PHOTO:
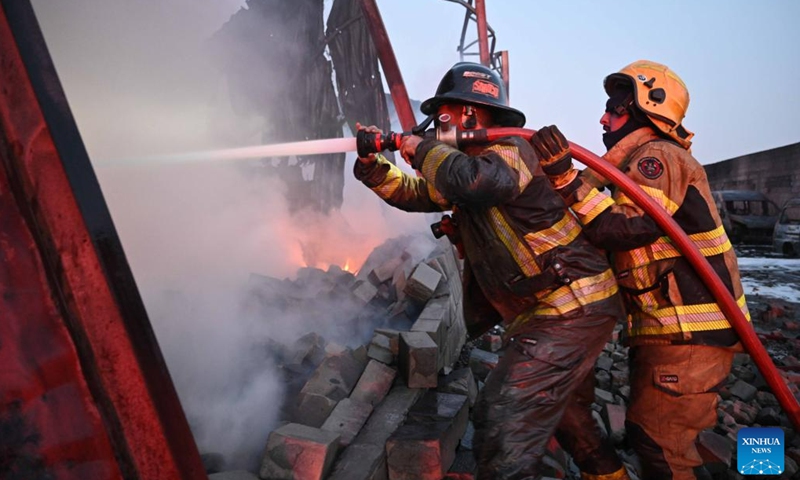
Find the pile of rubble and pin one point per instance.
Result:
(392, 397)
(390, 406)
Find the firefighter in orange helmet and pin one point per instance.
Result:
(682, 345)
(526, 265)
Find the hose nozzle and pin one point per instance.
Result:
(367, 143)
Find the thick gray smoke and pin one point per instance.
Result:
(139, 83)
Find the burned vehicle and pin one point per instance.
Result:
(786, 236)
(748, 216)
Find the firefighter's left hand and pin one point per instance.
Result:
(408, 148)
(555, 156)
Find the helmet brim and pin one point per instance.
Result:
(502, 115)
(618, 80)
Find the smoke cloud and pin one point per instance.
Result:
(139, 84)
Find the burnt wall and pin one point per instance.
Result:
(774, 172)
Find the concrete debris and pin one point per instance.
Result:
(385, 271)
(614, 418)
(361, 461)
(374, 383)
(384, 346)
(313, 409)
(422, 283)
(715, 448)
(418, 360)
(390, 398)
(336, 376)
(346, 419)
(364, 291)
(461, 382)
(297, 451)
(425, 446)
(743, 390)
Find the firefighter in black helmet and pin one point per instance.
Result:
(527, 265)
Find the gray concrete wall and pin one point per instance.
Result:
(775, 172)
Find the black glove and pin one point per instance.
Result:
(554, 155)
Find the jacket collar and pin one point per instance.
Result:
(619, 153)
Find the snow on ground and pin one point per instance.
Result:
(771, 277)
(784, 292)
(790, 264)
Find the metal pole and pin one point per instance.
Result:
(505, 72)
(389, 63)
(483, 35)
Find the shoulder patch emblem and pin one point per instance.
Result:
(651, 167)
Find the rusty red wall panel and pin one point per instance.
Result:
(84, 368)
(45, 404)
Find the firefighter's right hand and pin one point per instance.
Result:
(369, 159)
(554, 155)
(408, 150)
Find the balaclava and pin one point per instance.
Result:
(621, 99)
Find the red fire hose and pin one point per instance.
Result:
(724, 298)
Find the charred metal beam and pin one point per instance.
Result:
(391, 70)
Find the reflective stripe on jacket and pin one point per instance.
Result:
(524, 248)
(667, 301)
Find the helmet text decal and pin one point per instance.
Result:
(486, 88)
(471, 74)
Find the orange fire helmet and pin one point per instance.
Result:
(659, 93)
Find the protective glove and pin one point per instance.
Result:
(370, 159)
(555, 156)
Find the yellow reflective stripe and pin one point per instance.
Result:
(654, 193)
(433, 160)
(687, 318)
(713, 242)
(592, 206)
(392, 182)
(580, 293)
(509, 238)
(623, 199)
(512, 157)
(715, 234)
(437, 197)
(640, 258)
(561, 233)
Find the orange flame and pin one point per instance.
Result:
(346, 267)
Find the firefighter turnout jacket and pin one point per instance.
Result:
(525, 253)
(667, 301)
